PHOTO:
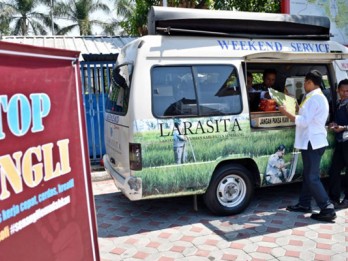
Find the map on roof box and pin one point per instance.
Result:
(335, 10)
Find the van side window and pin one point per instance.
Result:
(201, 90)
(118, 96)
(290, 80)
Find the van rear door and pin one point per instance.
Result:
(116, 124)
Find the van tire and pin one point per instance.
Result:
(230, 190)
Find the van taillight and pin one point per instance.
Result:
(135, 156)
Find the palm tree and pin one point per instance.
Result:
(26, 18)
(134, 12)
(79, 12)
(5, 14)
(123, 9)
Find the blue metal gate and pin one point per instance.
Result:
(96, 78)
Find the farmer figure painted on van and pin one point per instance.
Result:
(276, 171)
(179, 142)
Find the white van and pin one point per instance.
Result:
(178, 119)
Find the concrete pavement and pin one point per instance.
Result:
(169, 229)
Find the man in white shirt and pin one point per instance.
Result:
(310, 138)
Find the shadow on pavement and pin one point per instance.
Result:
(118, 217)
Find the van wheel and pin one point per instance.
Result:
(230, 190)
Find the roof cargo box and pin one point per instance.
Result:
(185, 21)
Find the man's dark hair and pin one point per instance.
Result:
(269, 71)
(315, 76)
(281, 147)
(343, 82)
(177, 123)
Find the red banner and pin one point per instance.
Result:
(46, 201)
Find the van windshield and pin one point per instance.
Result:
(118, 95)
(198, 90)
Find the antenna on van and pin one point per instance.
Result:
(168, 30)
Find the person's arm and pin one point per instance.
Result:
(265, 95)
(182, 137)
(288, 114)
(307, 114)
(339, 128)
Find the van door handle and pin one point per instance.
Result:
(112, 160)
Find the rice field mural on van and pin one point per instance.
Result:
(180, 155)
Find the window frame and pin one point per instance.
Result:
(327, 85)
(197, 90)
(126, 89)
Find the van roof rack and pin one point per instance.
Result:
(203, 22)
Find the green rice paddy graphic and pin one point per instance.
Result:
(207, 147)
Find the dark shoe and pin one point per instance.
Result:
(327, 215)
(299, 208)
(336, 204)
(343, 204)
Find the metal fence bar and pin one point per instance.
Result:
(91, 95)
(95, 83)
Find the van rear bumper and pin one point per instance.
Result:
(130, 186)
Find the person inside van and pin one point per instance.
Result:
(253, 95)
(249, 82)
(269, 77)
(257, 92)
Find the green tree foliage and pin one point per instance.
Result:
(134, 23)
(266, 6)
(5, 14)
(79, 12)
(25, 17)
(124, 9)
